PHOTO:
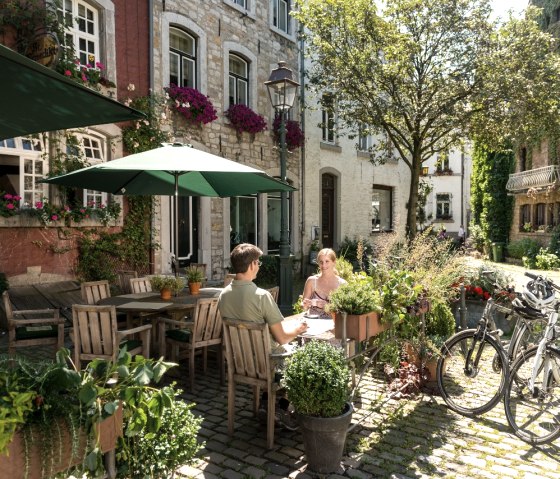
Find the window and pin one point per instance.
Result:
(328, 123)
(241, 3)
(238, 81)
(182, 58)
(243, 220)
(425, 171)
(82, 32)
(443, 206)
(275, 221)
(525, 223)
(442, 163)
(21, 167)
(281, 15)
(540, 214)
(365, 141)
(382, 209)
(93, 151)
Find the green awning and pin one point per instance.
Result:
(37, 99)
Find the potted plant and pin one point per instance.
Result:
(195, 276)
(313, 251)
(316, 378)
(359, 302)
(56, 416)
(167, 285)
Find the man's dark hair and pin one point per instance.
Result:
(243, 255)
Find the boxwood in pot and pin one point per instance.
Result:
(317, 379)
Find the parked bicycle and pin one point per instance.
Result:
(532, 395)
(473, 368)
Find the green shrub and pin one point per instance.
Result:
(156, 455)
(554, 245)
(316, 378)
(440, 321)
(476, 237)
(344, 268)
(358, 296)
(348, 248)
(546, 260)
(268, 272)
(523, 247)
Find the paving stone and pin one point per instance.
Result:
(254, 472)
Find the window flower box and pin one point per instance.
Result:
(243, 119)
(193, 106)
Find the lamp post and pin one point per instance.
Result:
(282, 90)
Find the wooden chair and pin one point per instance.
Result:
(228, 279)
(140, 285)
(96, 334)
(93, 291)
(204, 331)
(248, 355)
(124, 280)
(32, 327)
(275, 291)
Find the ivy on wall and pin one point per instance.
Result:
(492, 208)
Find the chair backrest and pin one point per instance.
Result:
(228, 278)
(274, 292)
(95, 333)
(124, 280)
(207, 328)
(248, 351)
(140, 285)
(7, 306)
(93, 291)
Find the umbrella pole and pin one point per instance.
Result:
(176, 217)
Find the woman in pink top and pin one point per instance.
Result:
(319, 286)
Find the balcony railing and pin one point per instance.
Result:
(537, 178)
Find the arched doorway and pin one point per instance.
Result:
(328, 213)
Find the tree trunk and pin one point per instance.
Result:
(413, 194)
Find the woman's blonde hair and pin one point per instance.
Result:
(329, 253)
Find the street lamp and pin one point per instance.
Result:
(282, 90)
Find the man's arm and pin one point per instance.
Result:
(284, 331)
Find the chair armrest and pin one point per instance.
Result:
(45, 321)
(20, 312)
(139, 329)
(174, 322)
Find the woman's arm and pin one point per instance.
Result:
(307, 293)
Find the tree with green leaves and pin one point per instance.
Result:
(430, 73)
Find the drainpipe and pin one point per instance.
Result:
(302, 152)
(151, 86)
(463, 190)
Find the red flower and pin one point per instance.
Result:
(478, 290)
(486, 295)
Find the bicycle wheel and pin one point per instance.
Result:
(529, 336)
(474, 388)
(534, 415)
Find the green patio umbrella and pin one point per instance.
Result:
(37, 99)
(174, 170)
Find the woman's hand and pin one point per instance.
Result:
(306, 303)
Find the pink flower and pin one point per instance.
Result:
(100, 65)
(84, 78)
(39, 205)
(54, 217)
(82, 210)
(68, 73)
(10, 206)
(16, 198)
(8, 196)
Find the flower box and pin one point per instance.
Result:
(31, 455)
(359, 326)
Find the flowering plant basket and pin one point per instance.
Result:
(242, 118)
(90, 74)
(195, 107)
(294, 135)
(9, 204)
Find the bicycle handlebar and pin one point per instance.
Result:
(539, 277)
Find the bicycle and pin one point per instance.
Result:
(532, 395)
(473, 368)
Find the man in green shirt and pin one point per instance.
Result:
(243, 300)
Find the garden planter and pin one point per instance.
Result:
(165, 294)
(359, 326)
(45, 451)
(323, 440)
(194, 288)
(475, 308)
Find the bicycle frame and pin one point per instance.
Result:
(540, 357)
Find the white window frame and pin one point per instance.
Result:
(183, 57)
(78, 30)
(281, 19)
(239, 82)
(365, 142)
(382, 212)
(328, 124)
(22, 151)
(443, 204)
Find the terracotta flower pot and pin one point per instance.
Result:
(165, 293)
(194, 288)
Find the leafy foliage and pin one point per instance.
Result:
(158, 454)
(523, 247)
(492, 208)
(428, 73)
(357, 296)
(175, 284)
(294, 135)
(316, 378)
(546, 260)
